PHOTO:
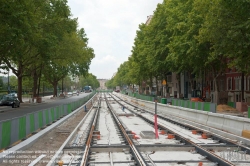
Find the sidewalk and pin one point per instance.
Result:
(45, 99)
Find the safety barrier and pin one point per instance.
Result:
(203, 106)
(248, 111)
(227, 123)
(235, 124)
(16, 129)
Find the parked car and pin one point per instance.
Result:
(12, 94)
(69, 93)
(10, 100)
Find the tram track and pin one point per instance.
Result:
(203, 148)
(115, 143)
(116, 133)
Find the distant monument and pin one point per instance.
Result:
(102, 84)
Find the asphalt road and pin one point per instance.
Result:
(7, 112)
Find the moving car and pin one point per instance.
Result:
(10, 100)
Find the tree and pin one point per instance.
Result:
(158, 37)
(1, 83)
(89, 80)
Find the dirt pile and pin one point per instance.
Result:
(226, 108)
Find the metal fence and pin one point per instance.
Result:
(16, 129)
(204, 106)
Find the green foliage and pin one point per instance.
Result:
(89, 80)
(110, 84)
(40, 39)
(192, 36)
(1, 83)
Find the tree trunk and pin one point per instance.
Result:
(55, 90)
(35, 78)
(19, 75)
(19, 88)
(242, 87)
(62, 85)
(166, 86)
(139, 88)
(216, 94)
(39, 82)
(156, 82)
(150, 85)
(179, 83)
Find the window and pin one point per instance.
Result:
(189, 87)
(222, 87)
(237, 83)
(169, 78)
(237, 98)
(248, 83)
(229, 83)
(212, 85)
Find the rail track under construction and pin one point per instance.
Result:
(116, 133)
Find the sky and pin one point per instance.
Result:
(111, 27)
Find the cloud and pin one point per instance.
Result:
(108, 59)
(111, 28)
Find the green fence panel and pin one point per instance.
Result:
(179, 102)
(22, 128)
(47, 116)
(193, 105)
(52, 114)
(57, 113)
(173, 101)
(182, 103)
(40, 117)
(207, 107)
(62, 111)
(6, 130)
(187, 104)
(32, 123)
(199, 106)
(69, 108)
(248, 112)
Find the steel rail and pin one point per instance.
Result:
(88, 143)
(136, 153)
(214, 136)
(210, 156)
